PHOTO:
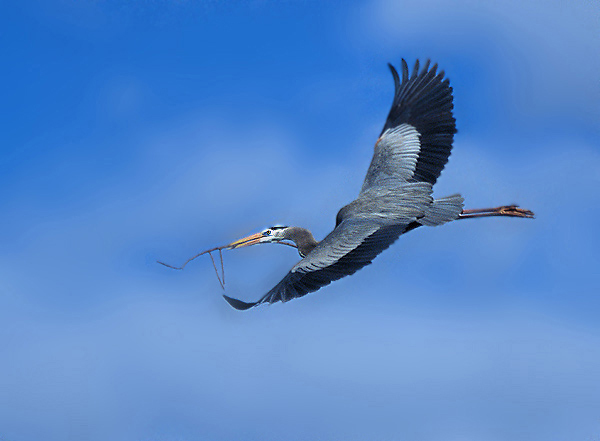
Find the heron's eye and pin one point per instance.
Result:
(267, 233)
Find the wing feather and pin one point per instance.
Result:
(409, 156)
(417, 137)
(334, 263)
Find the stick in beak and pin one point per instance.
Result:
(244, 242)
(221, 277)
(253, 239)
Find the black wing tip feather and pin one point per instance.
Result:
(417, 71)
(238, 304)
(395, 75)
(424, 100)
(404, 70)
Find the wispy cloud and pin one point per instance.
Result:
(474, 330)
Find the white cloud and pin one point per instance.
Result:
(373, 371)
(100, 336)
(543, 53)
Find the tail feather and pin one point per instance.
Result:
(443, 210)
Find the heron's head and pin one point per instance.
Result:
(272, 234)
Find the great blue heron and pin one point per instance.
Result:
(396, 196)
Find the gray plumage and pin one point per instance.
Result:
(396, 195)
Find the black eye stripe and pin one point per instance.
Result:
(271, 230)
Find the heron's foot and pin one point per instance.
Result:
(515, 211)
(505, 210)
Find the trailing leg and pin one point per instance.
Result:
(505, 210)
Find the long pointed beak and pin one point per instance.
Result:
(247, 241)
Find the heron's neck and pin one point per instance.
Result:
(303, 239)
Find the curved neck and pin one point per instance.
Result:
(303, 239)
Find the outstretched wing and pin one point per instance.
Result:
(416, 140)
(409, 156)
(352, 245)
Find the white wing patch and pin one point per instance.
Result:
(395, 156)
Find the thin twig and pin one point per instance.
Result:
(216, 272)
(221, 277)
(284, 243)
(222, 266)
(190, 259)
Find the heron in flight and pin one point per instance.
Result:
(396, 196)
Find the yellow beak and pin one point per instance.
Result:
(247, 241)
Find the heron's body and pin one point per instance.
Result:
(396, 195)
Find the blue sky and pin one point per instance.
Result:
(136, 131)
